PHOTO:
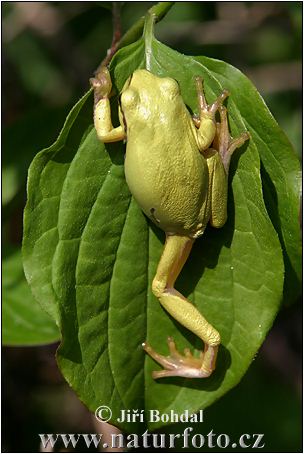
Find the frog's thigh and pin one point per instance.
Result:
(175, 254)
(218, 189)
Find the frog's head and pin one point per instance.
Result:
(144, 92)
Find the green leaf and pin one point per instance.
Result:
(90, 254)
(23, 322)
(41, 238)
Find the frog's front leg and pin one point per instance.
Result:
(102, 111)
(205, 122)
(176, 251)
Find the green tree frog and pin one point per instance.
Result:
(176, 168)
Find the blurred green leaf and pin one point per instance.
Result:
(36, 69)
(24, 322)
(21, 141)
(279, 45)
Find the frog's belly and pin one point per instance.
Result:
(170, 186)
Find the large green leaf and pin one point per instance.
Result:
(90, 254)
(24, 322)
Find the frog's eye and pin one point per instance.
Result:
(129, 97)
(170, 86)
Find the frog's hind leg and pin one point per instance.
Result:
(176, 251)
(218, 160)
(218, 188)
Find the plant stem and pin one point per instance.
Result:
(116, 17)
(158, 11)
(148, 35)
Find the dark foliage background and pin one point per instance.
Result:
(50, 49)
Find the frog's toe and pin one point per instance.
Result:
(178, 365)
(102, 83)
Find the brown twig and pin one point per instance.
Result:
(116, 17)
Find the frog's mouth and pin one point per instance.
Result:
(128, 81)
(126, 85)
(122, 112)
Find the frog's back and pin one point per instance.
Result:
(166, 173)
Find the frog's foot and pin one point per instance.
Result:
(102, 84)
(177, 365)
(206, 109)
(223, 141)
